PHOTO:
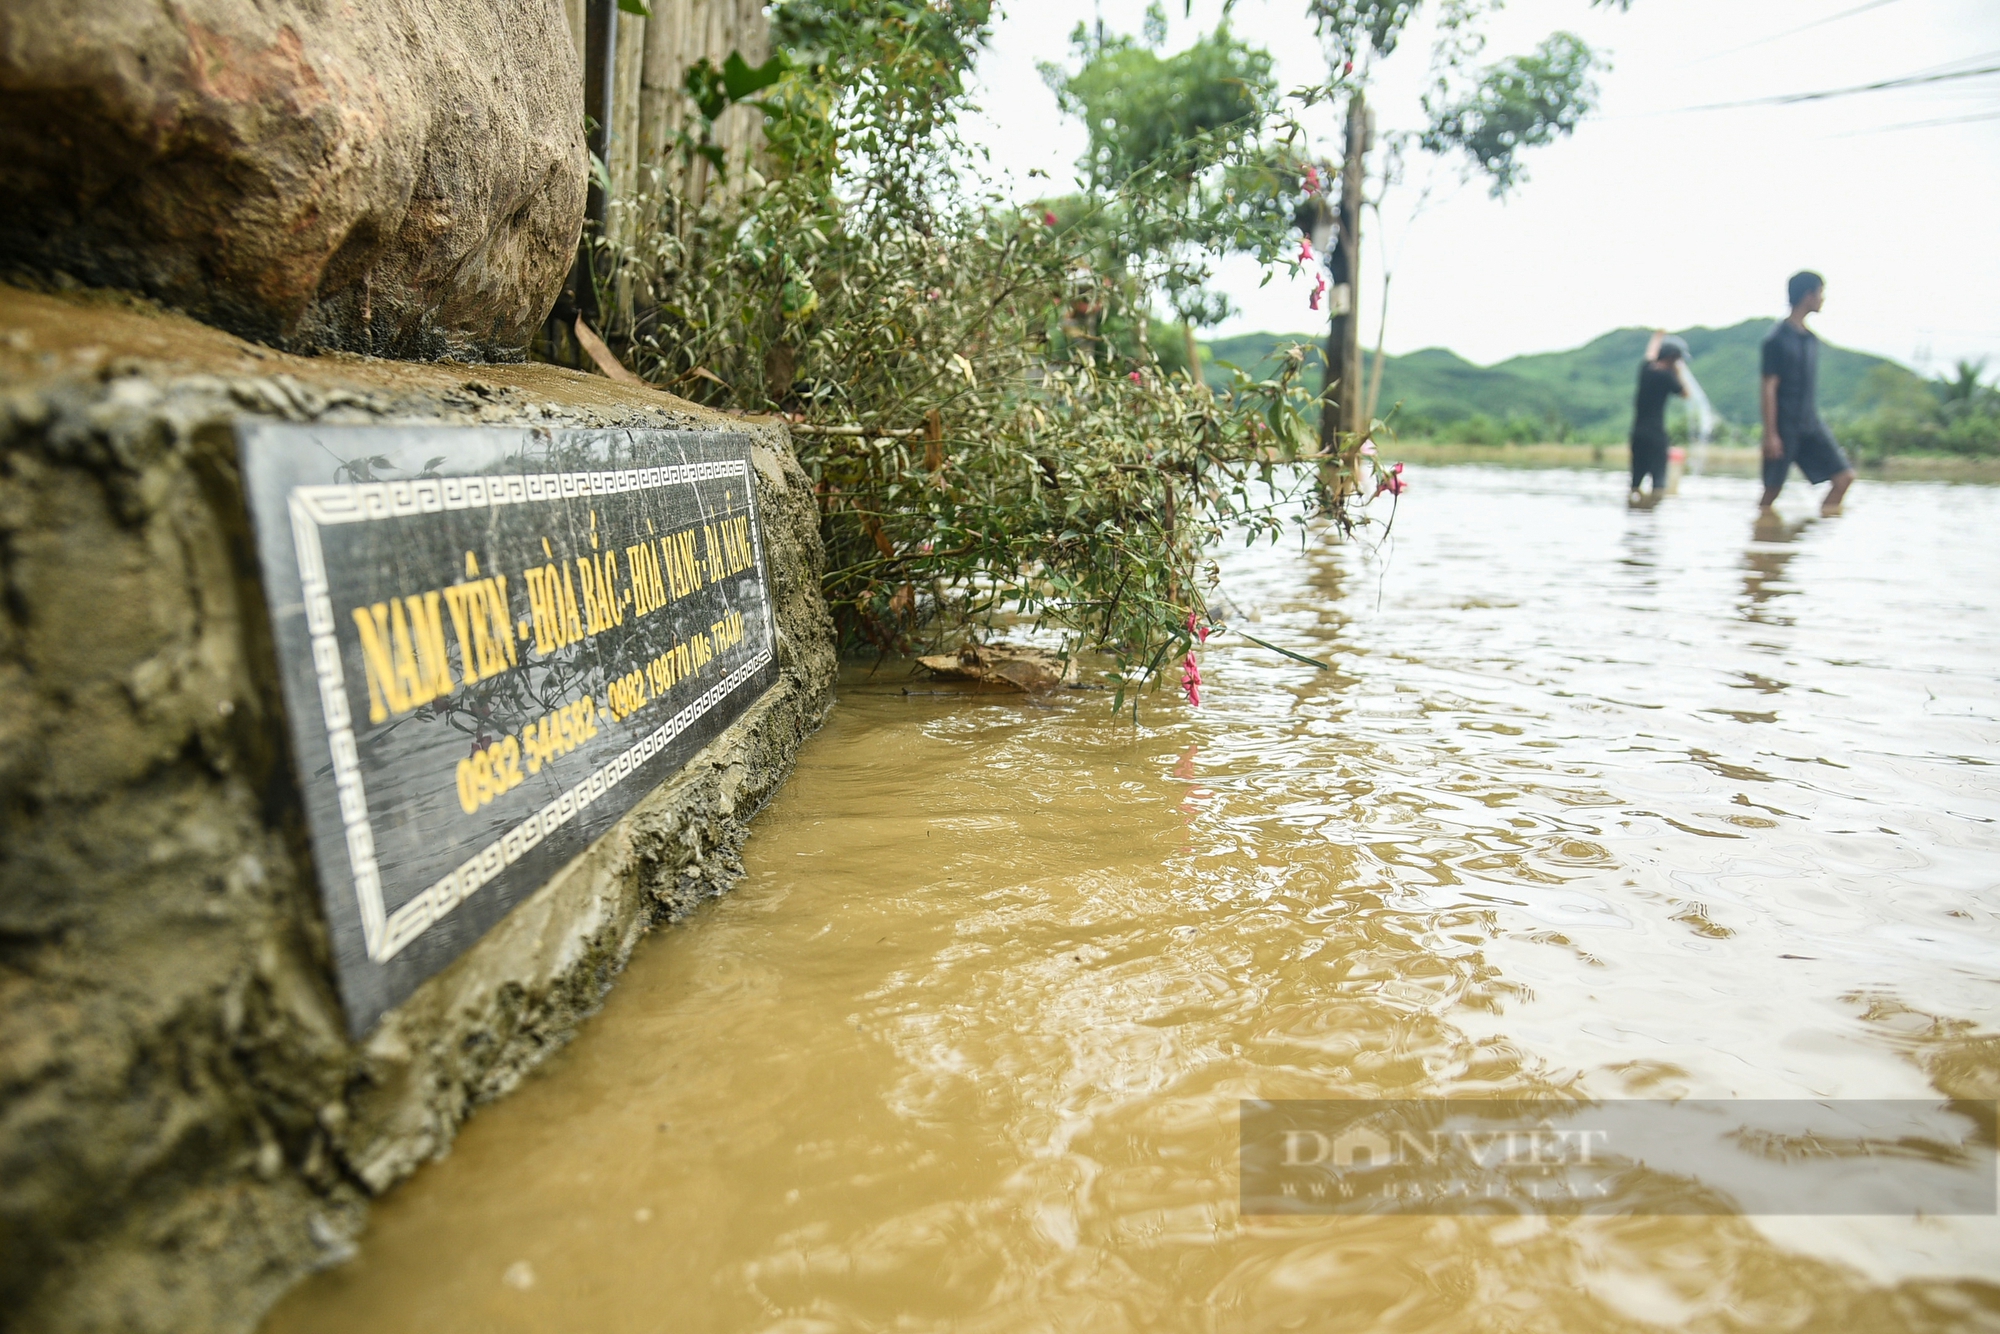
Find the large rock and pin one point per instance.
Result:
(398, 177)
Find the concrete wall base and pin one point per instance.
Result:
(185, 1129)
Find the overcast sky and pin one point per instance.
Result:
(1650, 214)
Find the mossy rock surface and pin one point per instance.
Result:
(404, 177)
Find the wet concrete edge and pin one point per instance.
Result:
(185, 1129)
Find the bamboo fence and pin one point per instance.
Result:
(650, 105)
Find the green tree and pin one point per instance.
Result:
(1964, 385)
(1487, 114)
(1182, 137)
(1147, 113)
(1898, 413)
(1524, 102)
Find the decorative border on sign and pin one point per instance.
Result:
(356, 502)
(413, 918)
(312, 507)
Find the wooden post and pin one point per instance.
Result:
(1341, 413)
(752, 36)
(660, 81)
(624, 145)
(1375, 371)
(623, 168)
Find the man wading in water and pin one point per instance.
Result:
(1793, 432)
(1659, 379)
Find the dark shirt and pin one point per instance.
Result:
(1649, 405)
(1793, 356)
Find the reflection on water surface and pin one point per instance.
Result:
(1594, 803)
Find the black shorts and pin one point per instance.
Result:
(1649, 457)
(1815, 451)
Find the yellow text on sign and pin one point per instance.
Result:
(488, 773)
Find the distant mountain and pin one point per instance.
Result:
(1585, 392)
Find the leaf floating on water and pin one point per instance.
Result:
(1008, 666)
(1296, 657)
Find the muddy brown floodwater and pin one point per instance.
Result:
(1594, 803)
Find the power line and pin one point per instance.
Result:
(1906, 81)
(1791, 32)
(1922, 124)
(1954, 65)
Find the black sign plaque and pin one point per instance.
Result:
(493, 642)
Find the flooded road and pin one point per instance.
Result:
(1594, 803)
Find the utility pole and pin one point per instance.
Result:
(579, 299)
(600, 108)
(1341, 411)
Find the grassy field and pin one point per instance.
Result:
(1584, 393)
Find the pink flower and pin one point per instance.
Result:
(1197, 629)
(1368, 448)
(1306, 250)
(1134, 377)
(1191, 680)
(1312, 179)
(1392, 481)
(1049, 218)
(1319, 290)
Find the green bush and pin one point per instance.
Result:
(1899, 414)
(979, 389)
